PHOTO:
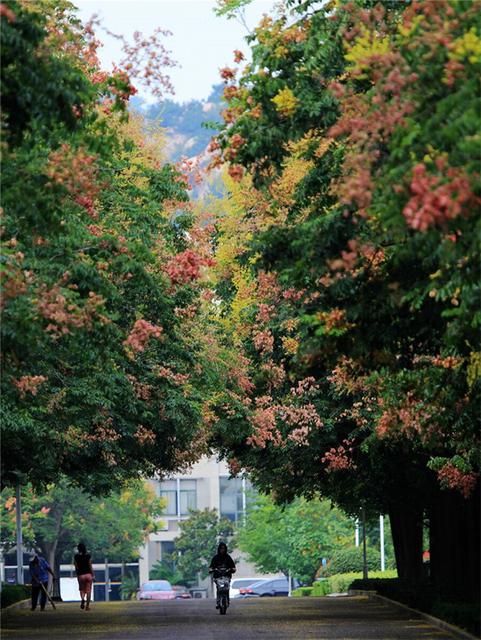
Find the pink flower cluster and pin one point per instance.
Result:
(29, 384)
(347, 377)
(410, 418)
(63, 315)
(226, 73)
(104, 432)
(6, 12)
(264, 341)
(305, 386)
(276, 374)
(268, 287)
(293, 295)
(303, 415)
(450, 476)
(263, 422)
(436, 201)
(339, 458)
(239, 374)
(234, 466)
(76, 171)
(265, 312)
(300, 436)
(185, 267)
(177, 378)
(144, 436)
(334, 319)
(142, 391)
(140, 334)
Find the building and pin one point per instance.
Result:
(206, 485)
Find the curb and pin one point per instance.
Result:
(21, 604)
(441, 624)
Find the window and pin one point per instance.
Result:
(234, 495)
(168, 491)
(182, 503)
(188, 496)
(167, 548)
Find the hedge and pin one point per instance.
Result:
(338, 583)
(301, 592)
(12, 593)
(351, 560)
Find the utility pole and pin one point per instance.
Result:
(381, 542)
(107, 580)
(18, 518)
(364, 548)
(244, 500)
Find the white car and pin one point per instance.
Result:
(241, 583)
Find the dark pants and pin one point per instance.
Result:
(37, 589)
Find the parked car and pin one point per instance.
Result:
(181, 592)
(263, 588)
(241, 583)
(156, 590)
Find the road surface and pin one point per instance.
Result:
(349, 618)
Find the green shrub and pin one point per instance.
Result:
(164, 571)
(350, 560)
(302, 592)
(321, 588)
(129, 586)
(341, 582)
(12, 593)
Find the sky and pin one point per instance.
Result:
(201, 42)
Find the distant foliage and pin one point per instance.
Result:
(350, 560)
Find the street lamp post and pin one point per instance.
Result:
(18, 520)
(381, 542)
(364, 547)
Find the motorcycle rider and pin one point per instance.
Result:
(221, 559)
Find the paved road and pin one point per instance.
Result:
(353, 618)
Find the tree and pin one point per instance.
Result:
(57, 520)
(101, 282)
(197, 543)
(350, 265)
(166, 570)
(293, 539)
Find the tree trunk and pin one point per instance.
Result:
(407, 536)
(50, 551)
(455, 544)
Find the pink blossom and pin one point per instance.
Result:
(140, 335)
(185, 266)
(451, 477)
(339, 459)
(29, 384)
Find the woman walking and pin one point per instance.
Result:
(85, 575)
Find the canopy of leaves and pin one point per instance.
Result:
(104, 373)
(293, 539)
(348, 257)
(54, 522)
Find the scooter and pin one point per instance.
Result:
(222, 582)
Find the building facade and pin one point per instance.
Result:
(205, 486)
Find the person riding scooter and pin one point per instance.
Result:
(221, 559)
